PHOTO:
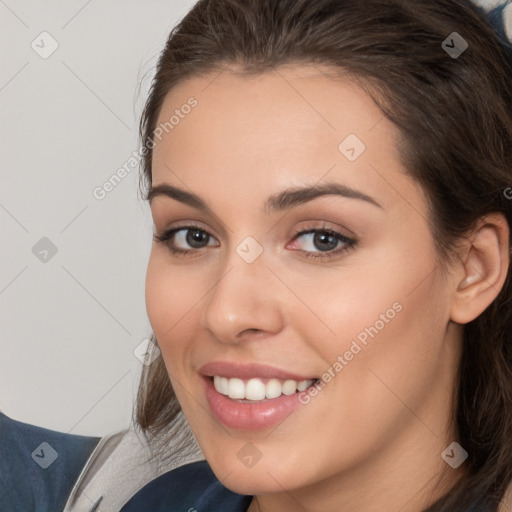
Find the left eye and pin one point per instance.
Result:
(190, 234)
(321, 243)
(326, 240)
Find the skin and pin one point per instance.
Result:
(375, 433)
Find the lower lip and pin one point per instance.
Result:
(249, 415)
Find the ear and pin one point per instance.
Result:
(483, 268)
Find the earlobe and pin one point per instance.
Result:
(484, 268)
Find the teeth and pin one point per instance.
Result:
(236, 388)
(256, 389)
(303, 385)
(273, 389)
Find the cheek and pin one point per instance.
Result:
(173, 298)
(398, 363)
(360, 302)
(387, 320)
(160, 296)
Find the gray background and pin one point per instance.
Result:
(69, 325)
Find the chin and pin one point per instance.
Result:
(253, 484)
(260, 479)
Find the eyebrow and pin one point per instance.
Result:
(284, 200)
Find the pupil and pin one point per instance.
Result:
(195, 238)
(321, 238)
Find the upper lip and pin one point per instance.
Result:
(249, 371)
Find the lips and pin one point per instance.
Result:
(237, 393)
(250, 371)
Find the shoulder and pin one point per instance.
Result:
(192, 487)
(38, 466)
(123, 463)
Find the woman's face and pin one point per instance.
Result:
(356, 302)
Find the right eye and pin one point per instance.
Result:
(194, 236)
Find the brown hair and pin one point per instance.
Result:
(455, 120)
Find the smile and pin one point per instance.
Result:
(257, 389)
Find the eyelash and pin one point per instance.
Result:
(349, 242)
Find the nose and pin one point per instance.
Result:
(247, 299)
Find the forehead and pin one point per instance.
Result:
(292, 101)
(289, 126)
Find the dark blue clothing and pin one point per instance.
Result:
(189, 488)
(39, 467)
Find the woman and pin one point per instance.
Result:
(329, 284)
